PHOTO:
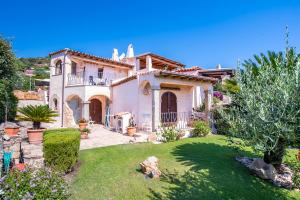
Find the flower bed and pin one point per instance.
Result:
(33, 184)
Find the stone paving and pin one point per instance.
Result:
(101, 137)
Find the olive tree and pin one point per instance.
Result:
(8, 102)
(266, 110)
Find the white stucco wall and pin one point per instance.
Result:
(125, 98)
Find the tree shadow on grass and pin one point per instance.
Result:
(214, 174)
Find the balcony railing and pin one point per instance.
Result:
(80, 78)
(181, 120)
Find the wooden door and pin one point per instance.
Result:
(96, 111)
(168, 107)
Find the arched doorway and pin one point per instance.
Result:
(96, 111)
(168, 107)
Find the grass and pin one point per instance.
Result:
(212, 173)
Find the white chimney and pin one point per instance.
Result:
(122, 56)
(130, 52)
(219, 66)
(115, 55)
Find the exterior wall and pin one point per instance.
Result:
(184, 98)
(125, 98)
(56, 83)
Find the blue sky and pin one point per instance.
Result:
(202, 33)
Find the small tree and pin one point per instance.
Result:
(8, 102)
(266, 110)
(37, 114)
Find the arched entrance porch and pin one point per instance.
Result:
(97, 108)
(96, 111)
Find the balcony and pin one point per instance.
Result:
(80, 78)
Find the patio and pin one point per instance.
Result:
(101, 137)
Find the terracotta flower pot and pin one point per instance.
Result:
(12, 131)
(82, 126)
(84, 135)
(20, 166)
(131, 131)
(35, 136)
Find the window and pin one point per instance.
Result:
(100, 73)
(58, 67)
(73, 68)
(55, 104)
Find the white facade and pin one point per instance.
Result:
(87, 87)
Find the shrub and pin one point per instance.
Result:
(61, 148)
(29, 184)
(169, 133)
(201, 129)
(221, 123)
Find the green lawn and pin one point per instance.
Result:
(213, 173)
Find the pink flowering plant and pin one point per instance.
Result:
(218, 95)
(33, 184)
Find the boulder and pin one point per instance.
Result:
(262, 169)
(150, 167)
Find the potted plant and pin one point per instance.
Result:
(131, 129)
(82, 124)
(85, 133)
(36, 114)
(11, 129)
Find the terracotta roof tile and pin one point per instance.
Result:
(93, 57)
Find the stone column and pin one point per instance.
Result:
(149, 63)
(155, 107)
(137, 64)
(207, 100)
(86, 110)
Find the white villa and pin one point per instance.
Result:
(149, 87)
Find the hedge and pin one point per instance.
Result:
(61, 148)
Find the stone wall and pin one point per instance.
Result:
(33, 154)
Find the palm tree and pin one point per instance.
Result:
(37, 114)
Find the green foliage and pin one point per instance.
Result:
(8, 102)
(36, 114)
(222, 125)
(169, 133)
(216, 100)
(41, 73)
(218, 87)
(231, 86)
(22, 82)
(7, 60)
(201, 129)
(37, 184)
(27, 63)
(201, 108)
(61, 148)
(85, 130)
(265, 112)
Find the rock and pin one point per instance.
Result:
(284, 177)
(150, 167)
(245, 160)
(6, 137)
(262, 169)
